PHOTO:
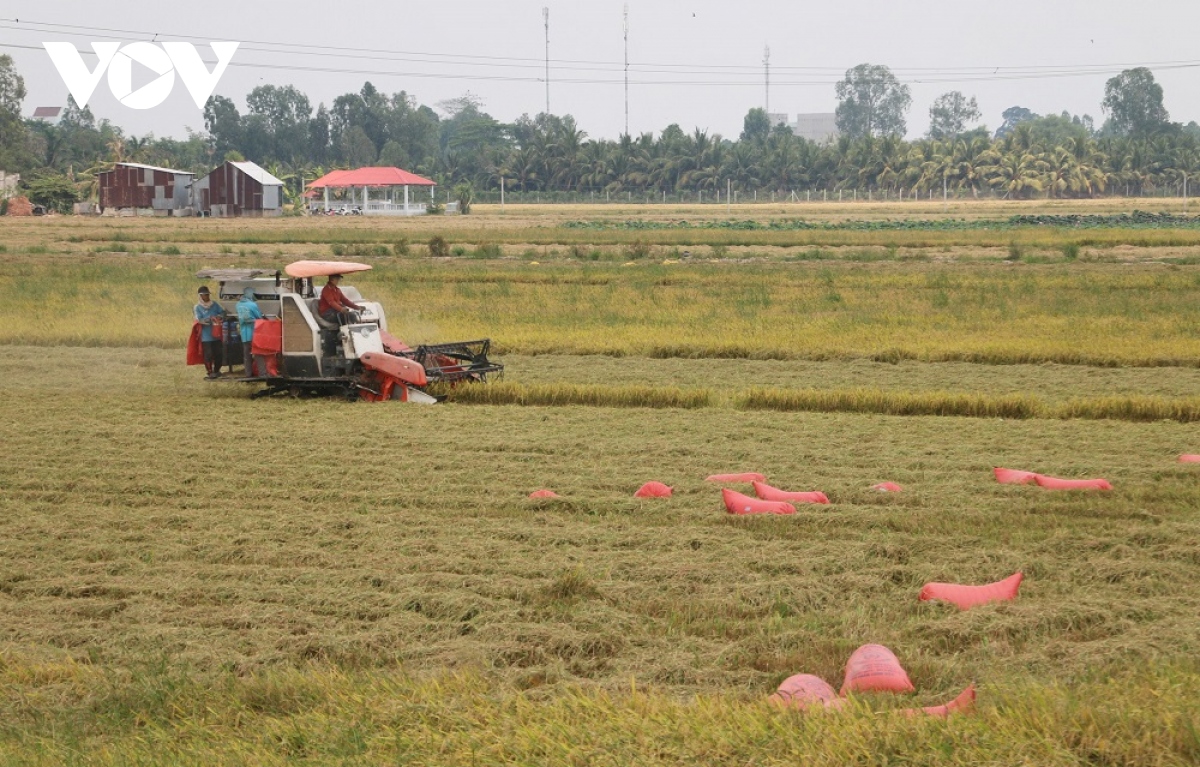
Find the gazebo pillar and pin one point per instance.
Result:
(406, 199)
(326, 199)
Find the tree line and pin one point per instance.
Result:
(1137, 150)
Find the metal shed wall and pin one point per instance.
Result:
(230, 192)
(132, 186)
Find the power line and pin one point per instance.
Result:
(915, 72)
(598, 81)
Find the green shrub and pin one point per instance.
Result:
(1070, 251)
(458, 250)
(637, 250)
(438, 248)
(400, 247)
(170, 250)
(464, 192)
(487, 250)
(1015, 252)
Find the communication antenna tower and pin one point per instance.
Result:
(626, 69)
(546, 19)
(767, 75)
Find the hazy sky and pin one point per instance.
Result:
(698, 63)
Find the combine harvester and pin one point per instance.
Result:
(299, 353)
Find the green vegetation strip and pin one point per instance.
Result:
(1135, 220)
(323, 715)
(1098, 315)
(875, 401)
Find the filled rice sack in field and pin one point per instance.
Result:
(887, 487)
(1015, 477)
(544, 494)
(1185, 458)
(736, 503)
(966, 597)
(1054, 483)
(875, 668)
(749, 476)
(804, 690)
(768, 493)
(653, 490)
(963, 704)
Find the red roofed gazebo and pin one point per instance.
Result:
(376, 191)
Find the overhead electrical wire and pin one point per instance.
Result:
(752, 75)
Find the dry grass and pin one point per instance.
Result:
(730, 378)
(1138, 408)
(188, 576)
(861, 400)
(522, 226)
(191, 577)
(558, 394)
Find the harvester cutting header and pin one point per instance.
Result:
(322, 341)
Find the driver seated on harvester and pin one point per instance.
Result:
(334, 307)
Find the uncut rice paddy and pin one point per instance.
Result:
(188, 576)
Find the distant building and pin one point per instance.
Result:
(820, 127)
(373, 191)
(135, 187)
(777, 118)
(238, 189)
(8, 184)
(48, 114)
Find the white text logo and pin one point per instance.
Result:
(118, 60)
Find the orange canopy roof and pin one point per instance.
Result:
(323, 268)
(338, 179)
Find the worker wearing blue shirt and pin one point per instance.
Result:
(247, 313)
(208, 313)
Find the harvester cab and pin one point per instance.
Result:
(296, 351)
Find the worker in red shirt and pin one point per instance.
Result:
(333, 301)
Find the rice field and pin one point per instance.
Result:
(191, 577)
(1087, 314)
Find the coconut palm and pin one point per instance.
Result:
(1018, 175)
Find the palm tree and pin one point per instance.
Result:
(1018, 175)
(968, 159)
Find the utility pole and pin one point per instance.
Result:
(626, 69)
(767, 76)
(546, 18)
